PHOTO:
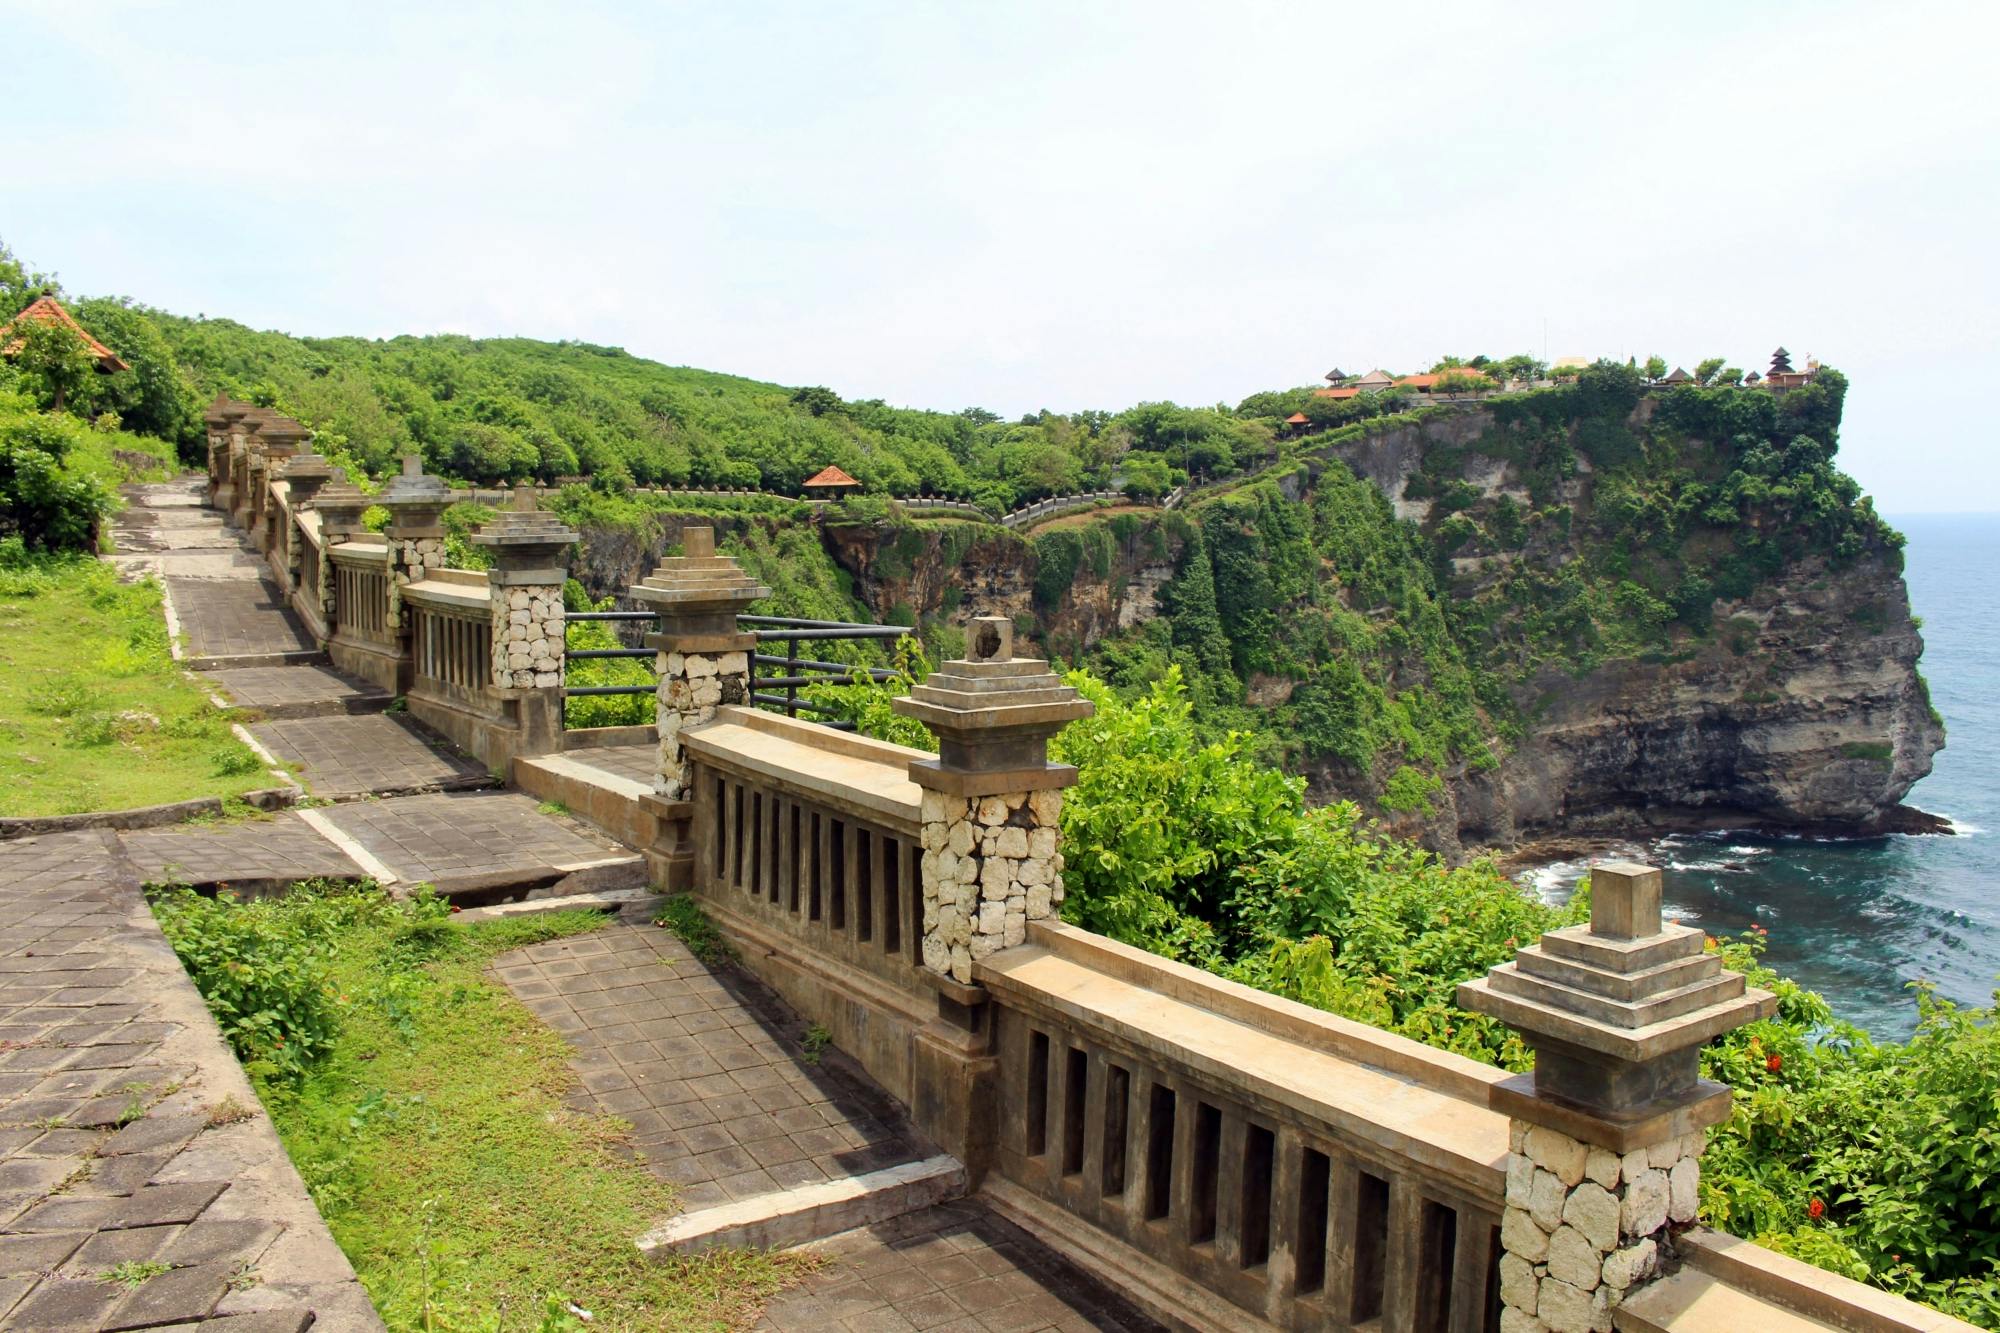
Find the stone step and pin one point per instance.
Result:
(637, 903)
(294, 691)
(600, 786)
(792, 1217)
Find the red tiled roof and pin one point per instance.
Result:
(48, 310)
(1429, 380)
(1297, 418)
(1337, 393)
(831, 476)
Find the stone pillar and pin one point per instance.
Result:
(282, 437)
(416, 504)
(526, 583)
(1607, 1133)
(234, 440)
(339, 505)
(703, 663)
(303, 475)
(992, 801)
(245, 449)
(216, 418)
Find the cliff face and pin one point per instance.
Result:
(951, 572)
(1806, 712)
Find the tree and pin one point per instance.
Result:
(19, 284)
(1656, 368)
(54, 358)
(1731, 375)
(49, 507)
(1781, 362)
(1706, 372)
(1465, 382)
(817, 399)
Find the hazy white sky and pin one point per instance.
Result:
(1057, 205)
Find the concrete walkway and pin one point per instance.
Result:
(128, 1133)
(727, 1103)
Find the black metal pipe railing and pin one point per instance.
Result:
(789, 672)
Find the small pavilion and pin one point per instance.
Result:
(45, 309)
(830, 483)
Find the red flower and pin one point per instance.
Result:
(456, 908)
(1775, 1063)
(1815, 1210)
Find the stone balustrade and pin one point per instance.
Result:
(477, 654)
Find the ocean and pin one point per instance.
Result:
(1858, 920)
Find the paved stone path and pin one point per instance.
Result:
(304, 690)
(711, 1071)
(955, 1268)
(374, 753)
(460, 843)
(234, 617)
(707, 1067)
(127, 1130)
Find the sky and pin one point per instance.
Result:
(1062, 205)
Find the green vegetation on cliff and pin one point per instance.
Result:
(1585, 523)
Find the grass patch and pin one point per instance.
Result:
(429, 1124)
(684, 917)
(94, 715)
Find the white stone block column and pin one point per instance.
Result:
(703, 661)
(1606, 1135)
(416, 504)
(992, 803)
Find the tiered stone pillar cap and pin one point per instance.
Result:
(340, 504)
(307, 466)
(698, 581)
(414, 500)
(524, 525)
(219, 414)
(1617, 1009)
(527, 544)
(993, 714)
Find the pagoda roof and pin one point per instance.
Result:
(1374, 378)
(46, 309)
(1296, 419)
(1678, 377)
(831, 476)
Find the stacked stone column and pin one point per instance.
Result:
(339, 504)
(416, 504)
(992, 802)
(218, 418)
(281, 436)
(527, 586)
(1607, 1133)
(240, 421)
(703, 661)
(303, 475)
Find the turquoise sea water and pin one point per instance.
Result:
(1858, 920)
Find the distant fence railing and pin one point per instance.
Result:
(776, 678)
(1057, 504)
